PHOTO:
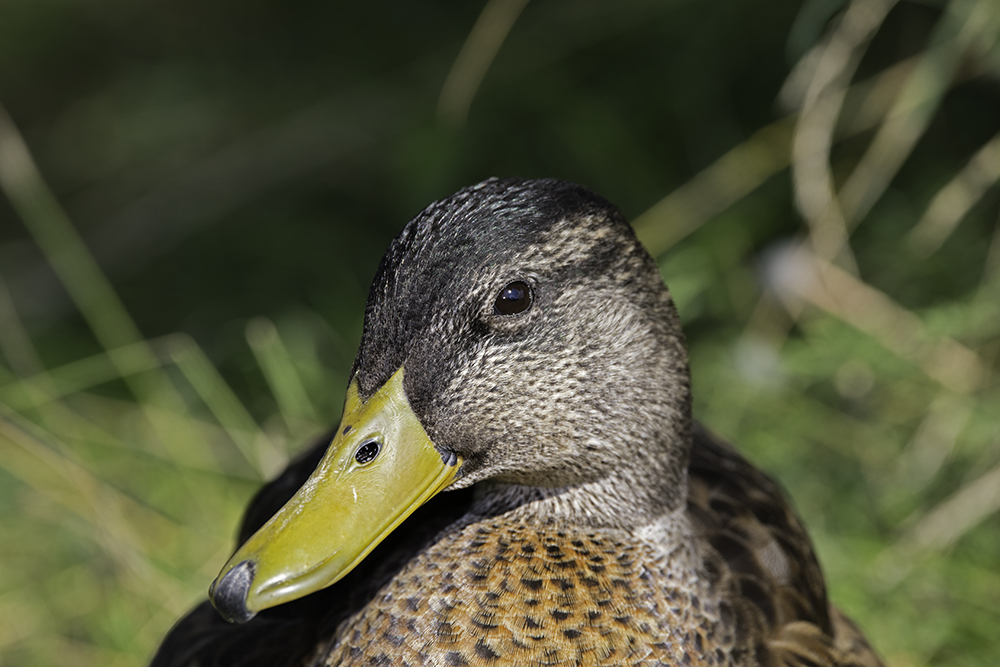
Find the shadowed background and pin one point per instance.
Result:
(196, 196)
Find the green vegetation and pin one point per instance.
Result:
(196, 195)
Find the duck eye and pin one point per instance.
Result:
(367, 452)
(513, 299)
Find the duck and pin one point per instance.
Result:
(517, 478)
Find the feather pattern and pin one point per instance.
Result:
(591, 521)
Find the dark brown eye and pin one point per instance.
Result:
(513, 299)
(367, 452)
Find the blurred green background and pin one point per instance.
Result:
(196, 196)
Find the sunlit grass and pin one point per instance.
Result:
(123, 474)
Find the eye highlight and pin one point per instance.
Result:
(513, 299)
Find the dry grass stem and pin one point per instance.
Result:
(831, 72)
(953, 518)
(966, 27)
(953, 201)
(477, 54)
(842, 295)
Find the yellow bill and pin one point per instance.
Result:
(380, 467)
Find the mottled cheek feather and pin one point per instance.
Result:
(567, 392)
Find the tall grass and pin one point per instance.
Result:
(123, 473)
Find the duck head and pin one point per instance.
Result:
(516, 335)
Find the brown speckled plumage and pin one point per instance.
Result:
(537, 595)
(591, 523)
